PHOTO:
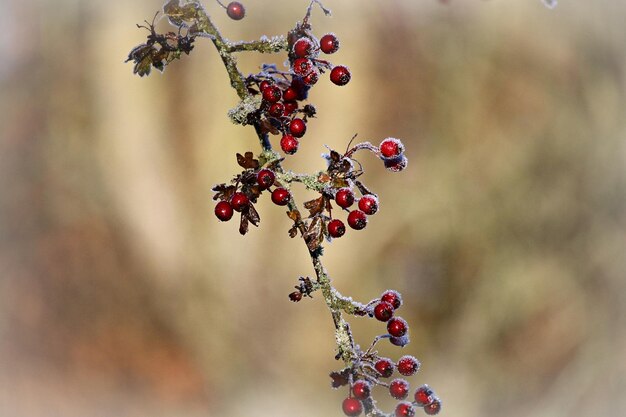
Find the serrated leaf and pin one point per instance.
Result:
(339, 379)
(243, 225)
(247, 161)
(293, 232)
(223, 191)
(294, 215)
(315, 207)
(314, 235)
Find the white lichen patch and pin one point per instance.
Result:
(239, 114)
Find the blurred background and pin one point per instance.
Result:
(122, 295)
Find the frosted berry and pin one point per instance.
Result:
(393, 297)
(289, 144)
(265, 178)
(383, 311)
(352, 407)
(329, 44)
(272, 94)
(280, 196)
(276, 109)
(303, 47)
(290, 107)
(340, 75)
(391, 147)
(397, 327)
(297, 127)
(312, 77)
(434, 407)
(405, 409)
(399, 389)
(224, 211)
(344, 197)
(400, 341)
(384, 367)
(357, 220)
(235, 10)
(302, 66)
(361, 389)
(336, 228)
(424, 395)
(238, 201)
(396, 164)
(408, 365)
(368, 204)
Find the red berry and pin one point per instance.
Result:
(344, 197)
(399, 389)
(391, 147)
(290, 107)
(434, 407)
(303, 47)
(368, 204)
(405, 409)
(276, 109)
(264, 84)
(329, 44)
(361, 389)
(280, 196)
(302, 66)
(396, 164)
(357, 220)
(397, 327)
(408, 365)
(384, 367)
(290, 94)
(235, 10)
(312, 77)
(393, 297)
(400, 341)
(340, 75)
(336, 228)
(265, 178)
(352, 407)
(238, 201)
(383, 311)
(289, 144)
(424, 395)
(224, 211)
(272, 94)
(297, 127)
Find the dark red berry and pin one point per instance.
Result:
(405, 409)
(303, 47)
(393, 297)
(340, 75)
(344, 197)
(290, 94)
(312, 77)
(361, 389)
(329, 44)
(302, 66)
(276, 109)
(408, 365)
(235, 10)
(399, 389)
(238, 201)
(336, 228)
(383, 311)
(265, 178)
(396, 164)
(290, 107)
(397, 327)
(289, 144)
(280, 196)
(224, 211)
(357, 220)
(434, 407)
(352, 407)
(264, 84)
(384, 367)
(368, 204)
(272, 94)
(391, 147)
(297, 127)
(424, 395)
(400, 341)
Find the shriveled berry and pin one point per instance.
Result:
(352, 407)
(303, 47)
(289, 144)
(383, 311)
(396, 164)
(408, 365)
(400, 341)
(336, 228)
(238, 201)
(312, 77)
(393, 297)
(290, 107)
(397, 327)
(344, 197)
(424, 395)
(357, 220)
(399, 389)
(340, 75)
(384, 367)
(361, 389)
(302, 66)
(224, 211)
(280, 196)
(434, 407)
(265, 178)
(297, 127)
(276, 109)
(235, 10)
(329, 44)
(368, 204)
(405, 409)
(391, 147)
(290, 94)
(272, 94)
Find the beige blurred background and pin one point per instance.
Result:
(121, 295)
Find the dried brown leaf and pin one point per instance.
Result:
(247, 161)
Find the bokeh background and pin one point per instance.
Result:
(121, 295)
